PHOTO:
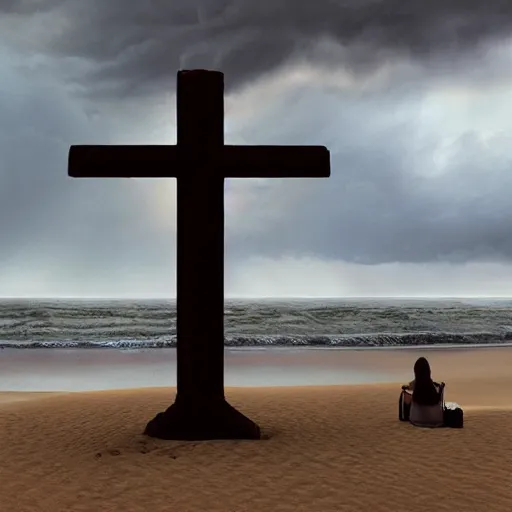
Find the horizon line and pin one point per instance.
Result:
(252, 297)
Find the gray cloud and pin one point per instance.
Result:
(387, 200)
(138, 49)
(386, 215)
(67, 68)
(49, 222)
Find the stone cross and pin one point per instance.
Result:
(200, 161)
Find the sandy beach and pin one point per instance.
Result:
(328, 448)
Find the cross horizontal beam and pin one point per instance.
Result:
(176, 162)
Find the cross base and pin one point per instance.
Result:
(190, 420)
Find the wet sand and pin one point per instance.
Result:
(99, 369)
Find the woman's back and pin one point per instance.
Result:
(427, 397)
(429, 414)
(426, 393)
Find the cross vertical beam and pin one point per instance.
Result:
(200, 239)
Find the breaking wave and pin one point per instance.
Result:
(316, 323)
(355, 341)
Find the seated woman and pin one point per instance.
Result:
(427, 397)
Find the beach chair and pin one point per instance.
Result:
(443, 414)
(404, 406)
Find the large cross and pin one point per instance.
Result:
(200, 161)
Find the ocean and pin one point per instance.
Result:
(354, 323)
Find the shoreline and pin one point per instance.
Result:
(8, 345)
(102, 369)
(433, 346)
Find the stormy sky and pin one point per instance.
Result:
(413, 99)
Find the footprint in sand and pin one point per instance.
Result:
(110, 452)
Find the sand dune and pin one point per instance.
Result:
(336, 448)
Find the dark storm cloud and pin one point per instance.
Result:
(375, 208)
(136, 46)
(386, 200)
(386, 215)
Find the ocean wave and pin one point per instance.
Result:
(331, 323)
(348, 341)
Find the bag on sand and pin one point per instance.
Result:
(453, 415)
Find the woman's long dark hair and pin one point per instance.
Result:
(425, 392)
